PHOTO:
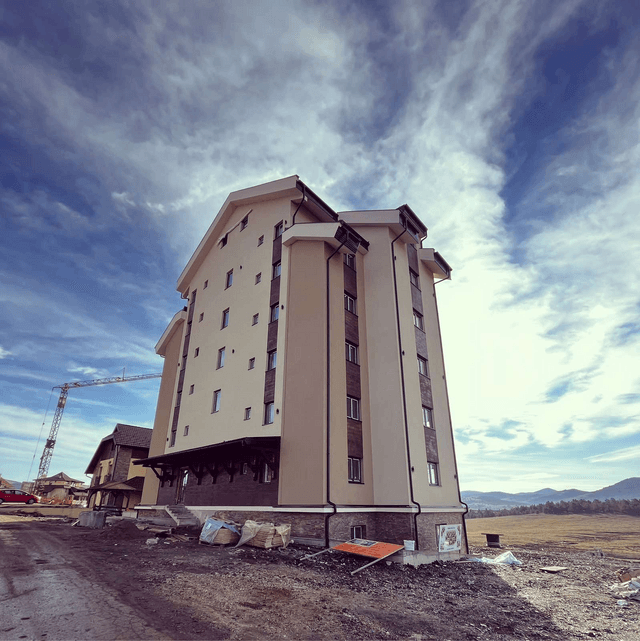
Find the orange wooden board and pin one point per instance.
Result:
(372, 549)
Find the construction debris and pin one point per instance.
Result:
(218, 532)
(554, 569)
(265, 535)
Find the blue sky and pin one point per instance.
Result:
(511, 128)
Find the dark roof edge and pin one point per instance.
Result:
(405, 209)
(317, 201)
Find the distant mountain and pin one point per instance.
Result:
(627, 489)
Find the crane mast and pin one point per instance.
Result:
(57, 417)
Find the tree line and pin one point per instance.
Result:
(630, 507)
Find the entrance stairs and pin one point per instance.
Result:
(181, 515)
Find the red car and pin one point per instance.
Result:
(17, 496)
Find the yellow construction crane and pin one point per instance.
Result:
(57, 417)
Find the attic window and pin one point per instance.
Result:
(223, 240)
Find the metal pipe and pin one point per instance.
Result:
(293, 220)
(404, 395)
(446, 389)
(329, 501)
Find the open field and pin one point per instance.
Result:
(617, 536)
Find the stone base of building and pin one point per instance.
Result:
(395, 525)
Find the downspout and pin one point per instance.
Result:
(404, 396)
(329, 501)
(293, 220)
(446, 389)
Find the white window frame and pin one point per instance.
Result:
(244, 223)
(256, 318)
(215, 406)
(350, 304)
(277, 270)
(351, 352)
(427, 417)
(358, 532)
(418, 320)
(275, 312)
(258, 277)
(252, 362)
(354, 472)
(353, 408)
(434, 473)
(229, 279)
(221, 357)
(414, 278)
(272, 359)
(247, 413)
(225, 318)
(423, 366)
(269, 413)
(350, 260)
(278, 230)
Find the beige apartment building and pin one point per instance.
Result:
(304, 379)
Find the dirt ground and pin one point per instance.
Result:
(183, 590)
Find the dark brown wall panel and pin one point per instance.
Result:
(243, 491)
(353, 379)
(432, 445)
(425, 391)
(412, 255)
(269, 385)
(350, 281)
(274, 296)
(272, 336)
(351, 327)
(277, 250)
(421, 343)
(416, 299)
(354, 438)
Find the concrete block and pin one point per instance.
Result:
(94, 520)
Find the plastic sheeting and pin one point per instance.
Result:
(506, 558)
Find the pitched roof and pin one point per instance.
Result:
(61, 476)
(127, 435)
(132, 435)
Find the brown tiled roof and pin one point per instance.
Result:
(61, 476)
(132, 435)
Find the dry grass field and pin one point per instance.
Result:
(617, 536)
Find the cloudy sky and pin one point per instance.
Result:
(511, 128)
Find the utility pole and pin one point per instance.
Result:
(57, 417)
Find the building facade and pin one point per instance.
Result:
(115, 480)
(304, 379)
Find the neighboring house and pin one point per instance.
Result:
(116, 482)
(61, 488)
(304, 382)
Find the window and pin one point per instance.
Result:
(206, 284)
(349, 303)
(434, 478)
(223, 240)
(355, 470)
(269, 413)
(229, 279)
(277, 269)
(221, 354)
(351, 352)
(172, 442)
(201, 317)
(225, 318)
(418, 321)
(186, 430)
(266, 474)
(255, 319)
(353, 408)
(358, 532)
(350, 260)
(247, 413)
(422, 366)
(272, 359)
(275, 312)
(245, 468)
(196, 353)
(427, 417)
(216, 401)
(258, 277)
(260, 240)
(252, 363)
(244, 223)
(191, 389)
(414, 278)
(278, 230)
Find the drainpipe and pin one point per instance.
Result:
(293, 220)
(329, 501)
(446, 389)
(404, 396)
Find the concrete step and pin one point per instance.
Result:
(181, 515)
